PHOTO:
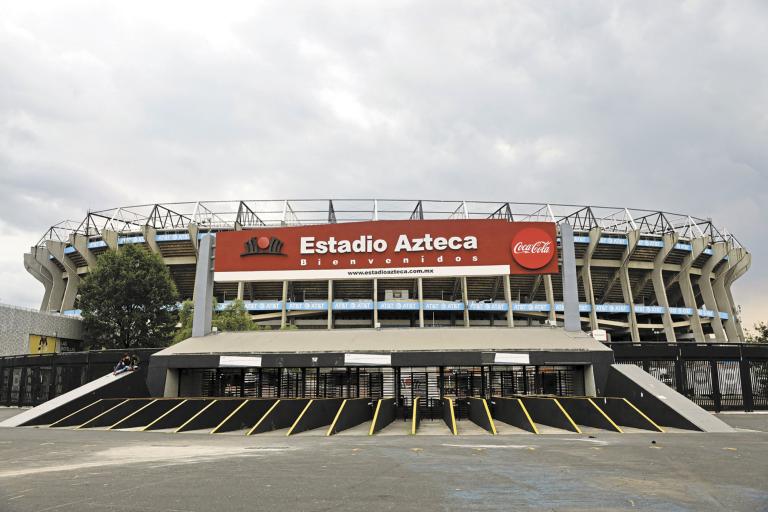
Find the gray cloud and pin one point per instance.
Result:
(651, 105)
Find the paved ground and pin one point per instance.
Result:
(65, 470)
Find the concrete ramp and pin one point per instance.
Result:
(659, 402)
(124, 385)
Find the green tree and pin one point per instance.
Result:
(184, 330)
(234, 317)
(760, 335)
(128, 300)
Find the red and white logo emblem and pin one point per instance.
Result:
(533, 248)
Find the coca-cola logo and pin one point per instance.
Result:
(533, 248)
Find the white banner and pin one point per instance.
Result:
(239, 362)
(508, 358)
(368, 273)
(375, 359)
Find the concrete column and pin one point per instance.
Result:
(150, 238)
(721, 295)
(240, 290)
(571, 314)
(375, 301)
(110, 238)
(549, 291)
(465, 299)
(420, 286)
(80, 243)
(670, 239)
(193, 232)
(203, 294)
(626, 290)
(41, 274)
(284, 307)
(719, 250)
(740, 267)
(508, 298)
(330, 304)
(586, 275)
(42, 256)
(70, 269)
(686, 288)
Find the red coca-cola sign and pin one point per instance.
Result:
(533, 248)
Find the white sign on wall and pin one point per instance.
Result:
(510, 358)
(239, 362)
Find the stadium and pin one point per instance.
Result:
(642, 275)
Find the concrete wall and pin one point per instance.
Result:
(16, 324)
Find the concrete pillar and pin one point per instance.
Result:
(420, 286)
(550, 293)
(721, 295)
(719, 250)
(659, 289)
(740, 267)
(465, 299)
(70, 269)
(571, 314)
(193, 232)
(686, 288)
(375, 301)
(284, 306)
(586, 275)
(626, 289)
(203, 294)
(508, 298)
(330, 304)
(80, 243)
(41, 274)
(150, 238)
(42, 256)
(110, 238)
(240, 290)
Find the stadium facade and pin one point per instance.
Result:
(641, 275)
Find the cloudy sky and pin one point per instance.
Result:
(658, 105)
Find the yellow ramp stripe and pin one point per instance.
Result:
(336, 418)
(375, 416)
(198, 413)
(263, 417)
(166, 413)
(643, 415)
(490, 418)
(413, 419)
(453, 418)
(533, 425)
(229, 416)
(72, 414)
(102, 414)
(299, 418)
(132, 414)
(567, 416)
(618, 428)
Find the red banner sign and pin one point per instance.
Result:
(363, 250)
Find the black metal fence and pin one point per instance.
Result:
(29, 380)
(718, 377)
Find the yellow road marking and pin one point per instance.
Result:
(100, 415)
(533, 425)
(375, 416)
(567, 416)
(72, 414)
(132, 414)
(618, 428)
(336, 418)
(643, 415)
(198, 413)
(166, 413)
(299, 418)
(229, 416)
(263, 417)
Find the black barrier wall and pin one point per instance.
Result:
(211, 415)
(480, 415)
(115, 414)
(546, 412)
(353, 412)
(512, 412)
(86, 413)
(585, 412)
(622, 412)
(148, 414)
(449, 416)
(319, 413)
(282, 415)
(177, 415)
(246, 416)
(385, 413)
